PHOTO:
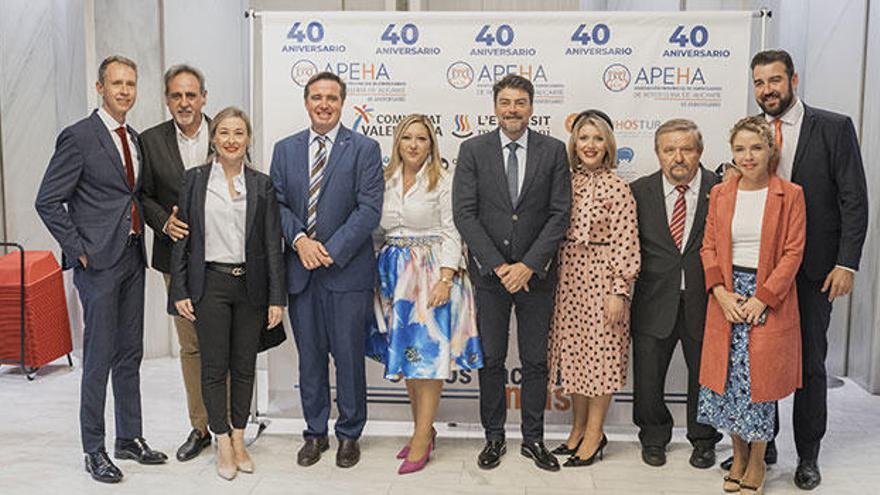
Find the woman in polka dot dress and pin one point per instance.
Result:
(599, 261)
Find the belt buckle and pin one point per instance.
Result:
(238, 271)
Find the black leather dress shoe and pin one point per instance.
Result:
(490, 456)
(807, 475)
(703, 457)
(348, 454)
(771, 455)
(310, 452)
(195, 443)
(654, 456)
(138, 450)
(102, 469)
(537, 452)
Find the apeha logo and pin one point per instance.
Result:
(364, 114)
(302, 71)
(460, 75)
(463, 128)
(616, 77)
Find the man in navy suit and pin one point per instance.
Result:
(819, 151)
(329, 184)
(89, 201)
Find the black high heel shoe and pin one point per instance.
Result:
(564, 450)
(575, 461)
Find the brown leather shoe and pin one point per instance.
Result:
(310, 452)
(348, 454)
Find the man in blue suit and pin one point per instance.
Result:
(329, 184)
(89, 201)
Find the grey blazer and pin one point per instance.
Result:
(162, 177)
(497, 231)
(658, 289)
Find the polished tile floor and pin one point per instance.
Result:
(39, 452)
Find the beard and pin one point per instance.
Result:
(785, 100)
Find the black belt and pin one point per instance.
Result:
(234, 269)
(132, 239)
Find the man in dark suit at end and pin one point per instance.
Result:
(512, 199)
(669, 301)
(89, 200)
(170, 148)
(820, 153)
(329, 184)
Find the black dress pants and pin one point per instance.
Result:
(228, 325)
(651, 357)
(533, 312)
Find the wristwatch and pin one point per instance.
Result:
(446, 280)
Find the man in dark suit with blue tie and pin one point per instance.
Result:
(329, 184)
(511, 203)
(89, 201)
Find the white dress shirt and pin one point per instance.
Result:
(521, 155)
(745, 229)
(791, 130)
(670, 195)
(193, 150)
(422, 213)
(112, 125)
(225, 217)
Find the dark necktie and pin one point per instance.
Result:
(129, 176)
(512, 171)
(316, 176)
(679, 212)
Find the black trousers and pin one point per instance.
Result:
(228, 325)
(533, 312)
(113, 345)
(651, 357)
(810, 415)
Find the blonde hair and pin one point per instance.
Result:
(761, 127)
(228, 113)
(433, 166)
(610, 159)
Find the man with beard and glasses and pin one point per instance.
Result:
(820, 153)
(669, 301)
(512, 196)
(170, 148)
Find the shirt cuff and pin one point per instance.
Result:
(846, 268)
(296, 238)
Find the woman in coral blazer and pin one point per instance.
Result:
(752, 248)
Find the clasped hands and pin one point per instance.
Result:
(312, 253)
(514, 276)
(176, 228)
(738, 309)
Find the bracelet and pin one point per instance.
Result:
(446, 280)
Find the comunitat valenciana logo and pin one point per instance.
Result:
(363, 115)
(302, 71)
(460, 75)
(616, 77)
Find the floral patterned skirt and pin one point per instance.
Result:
(734, 412)
(411, 339)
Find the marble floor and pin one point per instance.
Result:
(40, 452)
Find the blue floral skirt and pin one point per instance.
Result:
(734, 412)
(411, 339)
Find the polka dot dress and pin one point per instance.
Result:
(598, 258)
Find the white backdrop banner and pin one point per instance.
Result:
(639, 68)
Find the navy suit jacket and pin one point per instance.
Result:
(828, 166)
(349, 208)
(84, 198)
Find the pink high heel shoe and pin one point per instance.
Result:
(405, 450)
(411, 467)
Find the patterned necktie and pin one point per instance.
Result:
(777, 138)
(679, 212)
(316, 175)
(129, 176)
(512, 171)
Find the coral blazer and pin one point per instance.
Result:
(775, 347)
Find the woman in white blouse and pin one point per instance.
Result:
(425, 321)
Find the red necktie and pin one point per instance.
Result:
(129, 175)
(679, 212)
